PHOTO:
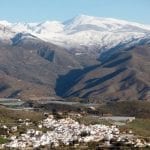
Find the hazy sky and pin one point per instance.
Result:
(41, 10)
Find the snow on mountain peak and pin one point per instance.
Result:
(104, 24)
(50, 26)
(80, 31)
(5, 23)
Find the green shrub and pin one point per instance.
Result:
(3, 140)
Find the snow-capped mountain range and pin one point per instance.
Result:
(81, 32)
(102, 59)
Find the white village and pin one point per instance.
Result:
(55, 133)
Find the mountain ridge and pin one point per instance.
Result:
(82, 58)
(83, 31)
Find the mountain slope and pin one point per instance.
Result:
(125, 75)
(30, 68)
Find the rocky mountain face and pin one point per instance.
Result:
(98, 58)
(30, 68)
(125, 75)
